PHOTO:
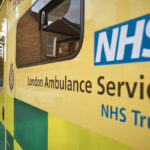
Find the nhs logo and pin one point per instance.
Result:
(127, 42)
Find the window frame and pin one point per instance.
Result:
(59, 59)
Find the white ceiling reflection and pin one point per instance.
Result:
(39, 5)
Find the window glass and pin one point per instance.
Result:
(49, 31)
(1, 2)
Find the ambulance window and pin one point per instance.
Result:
(52, 30)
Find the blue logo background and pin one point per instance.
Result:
(128, 48)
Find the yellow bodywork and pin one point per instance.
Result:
(76, 109)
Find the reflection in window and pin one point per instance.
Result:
(1, 2)
(50, 30)
(51, 46)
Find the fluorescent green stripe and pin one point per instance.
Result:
(64, 135)
(10, 114)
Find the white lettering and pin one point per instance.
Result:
(109, 50)
(146, 52)
(136, 40)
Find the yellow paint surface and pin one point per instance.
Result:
(79, 108)
(17, 146)
(64, 135)
(10, 114)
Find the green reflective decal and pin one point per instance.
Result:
(2, 137)
(10, 143)
(30, 126)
